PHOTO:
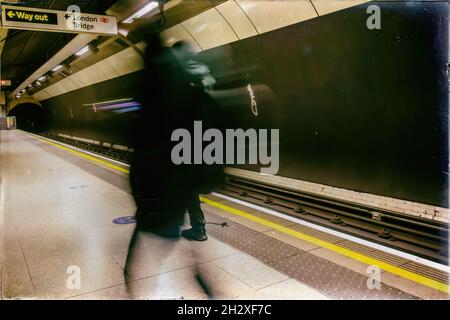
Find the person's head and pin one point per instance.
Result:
(183, 50)
(153, 40)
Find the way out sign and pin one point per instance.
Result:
(14, 17)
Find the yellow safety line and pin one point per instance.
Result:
(346, 252)
(83, 155)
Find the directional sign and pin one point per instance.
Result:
(31, 16)
(71, 21)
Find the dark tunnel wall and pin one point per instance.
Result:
(30, 117)
(357, 108)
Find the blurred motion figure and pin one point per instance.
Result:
(173, 97)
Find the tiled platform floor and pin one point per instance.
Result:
(57, 214)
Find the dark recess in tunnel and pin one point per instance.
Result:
(30, 117)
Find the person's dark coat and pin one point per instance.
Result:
(171, 100)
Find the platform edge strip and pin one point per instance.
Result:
(346, 252)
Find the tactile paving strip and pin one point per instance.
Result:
(260, 246)
(406, 264)
(335, 281)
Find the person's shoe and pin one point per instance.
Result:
(197, 234)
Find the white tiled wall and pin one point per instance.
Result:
(230, 21)
(271, 15)
(330, 6)
(237, 19)
(210, 29)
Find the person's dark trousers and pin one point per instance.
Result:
(195, 212)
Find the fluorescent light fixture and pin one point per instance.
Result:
(123, 32)
(146, 9)
(57, 68)
(82, 51)
(42, 79)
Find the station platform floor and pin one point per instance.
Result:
(60, 240)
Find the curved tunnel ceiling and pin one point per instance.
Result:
(226, 22)
(25, 51)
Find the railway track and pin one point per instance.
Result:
(415, 235)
